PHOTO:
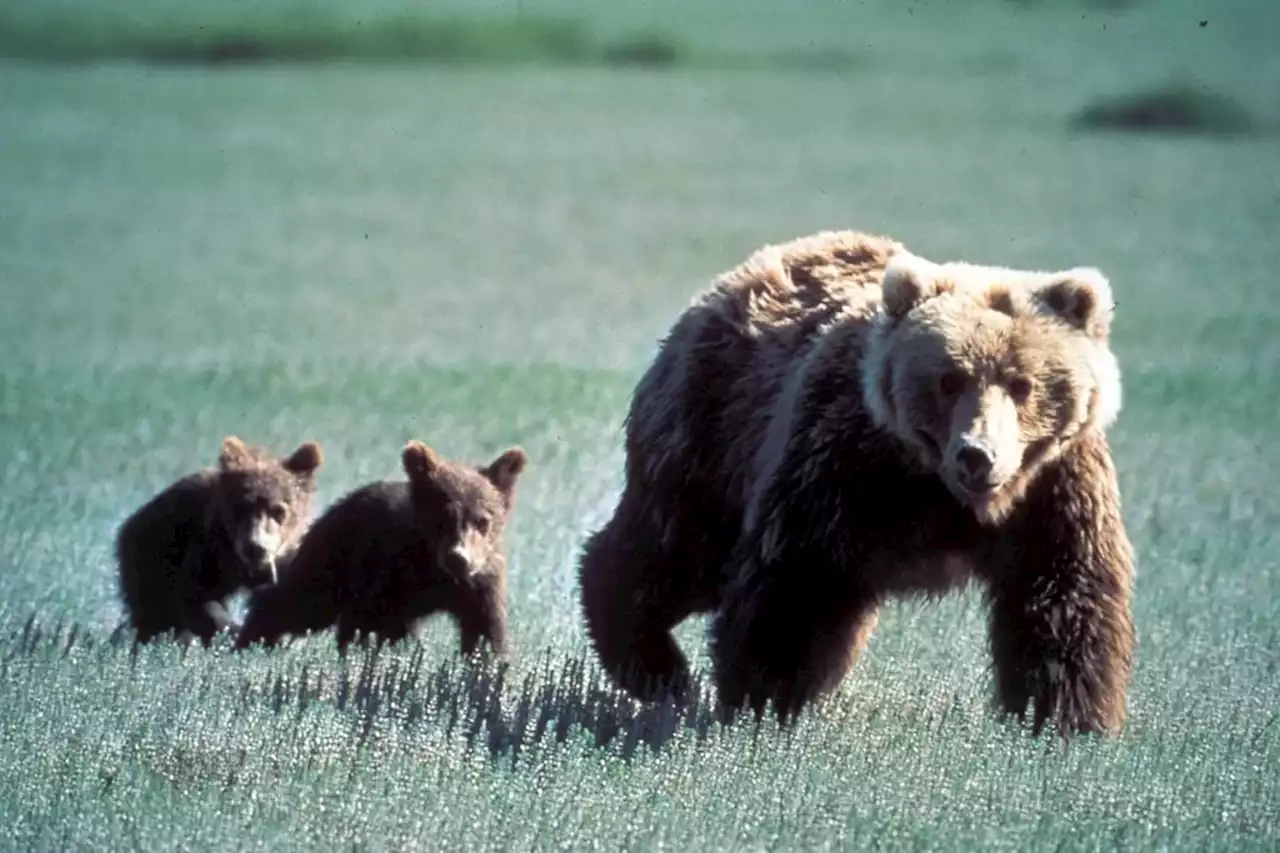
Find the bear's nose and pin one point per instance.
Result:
(455, 563)
(975, 461)
(254, 552)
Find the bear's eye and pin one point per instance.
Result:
(1019, 388)
(951, 383)
(277, 513)
(482, 525)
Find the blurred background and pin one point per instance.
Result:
(381, 175)
(470, 222)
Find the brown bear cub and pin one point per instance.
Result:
(838, 422)
(392, 553)
(211, 534)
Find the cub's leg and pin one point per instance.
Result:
(483, 616)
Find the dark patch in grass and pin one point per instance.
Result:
(268, 37)
(644, 49)
(1103, 5)
(1175, 108)
(819, 59)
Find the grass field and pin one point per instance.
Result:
(481, 254)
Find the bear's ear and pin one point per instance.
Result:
(1081, 297)
(235, 454)
(909, 280)
(305, 460)
(419, 460)
(506, 469)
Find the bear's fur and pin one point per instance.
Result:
(211, 534)
(838, 422)
(392, 553)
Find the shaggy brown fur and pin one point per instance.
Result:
(838, 422)
(392, 553)
(211, 534)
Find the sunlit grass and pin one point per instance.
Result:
(415, 743)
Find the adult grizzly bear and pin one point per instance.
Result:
(838, 422)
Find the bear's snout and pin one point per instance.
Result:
(975, 461)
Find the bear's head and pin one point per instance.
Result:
(463, 508)
(988, 373)
(263, 503)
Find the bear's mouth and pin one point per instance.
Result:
(263, 572)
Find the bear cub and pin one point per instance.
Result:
(211, 534)
(390, 554)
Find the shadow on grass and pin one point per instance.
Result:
(1175, 108)
(554, 702)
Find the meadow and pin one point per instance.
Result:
(362, 242)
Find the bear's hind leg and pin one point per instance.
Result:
(275, 611)
(146, 629)
(632, 598)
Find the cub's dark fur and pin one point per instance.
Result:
(392, 553)
(211, 534)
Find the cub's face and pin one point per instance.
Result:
(263, 503)
(988, 373)
(463, 508)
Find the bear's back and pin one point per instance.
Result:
(378, 514)
(792, 290)
(700, 414)
(152, 542)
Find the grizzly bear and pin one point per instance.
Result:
(838, 422)
(392, 553)
(211, 534)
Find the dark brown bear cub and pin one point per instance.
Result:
(392, 553)
(838, 422)
(210, 535)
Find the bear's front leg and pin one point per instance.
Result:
(205, 619)
(202, 611)
(1061, 625)
(796, 614)
(348, 625)
(482, 615)
(787, 633)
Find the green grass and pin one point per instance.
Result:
(475, 256)
(167, 32)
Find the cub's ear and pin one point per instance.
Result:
(235, 454)
(305, 460)
(419, 460)
(506, 469)
(1081, 297)
(909, 280)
